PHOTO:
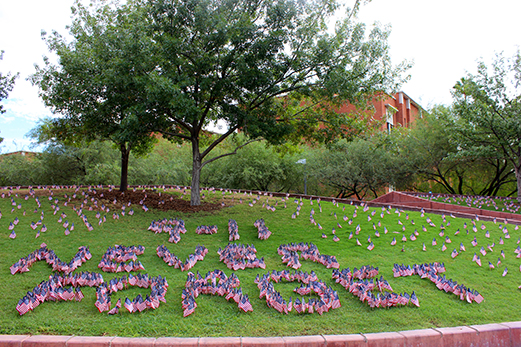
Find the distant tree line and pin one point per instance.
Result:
(426, 157)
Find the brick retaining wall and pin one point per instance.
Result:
(488, 335)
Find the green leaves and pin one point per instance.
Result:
(6, 85)
(488, 108)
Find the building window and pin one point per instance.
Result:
(389, 115)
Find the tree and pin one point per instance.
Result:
(269, 69)
(6, 85)
(256, 167)
(430, 151)
(488, 107)
(99, 85)
(438, 157)
(358, 168)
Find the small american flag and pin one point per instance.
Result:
(23, 305)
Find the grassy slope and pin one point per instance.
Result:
(216, 317)
(509, 205)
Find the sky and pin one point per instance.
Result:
(444, 40)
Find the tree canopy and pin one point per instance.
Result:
(98, 87)
(6, 84)
(274, 70)
(488, 108)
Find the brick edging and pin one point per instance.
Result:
(498, 334)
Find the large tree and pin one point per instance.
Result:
(269, 69)
(6, 84)
(488, 107)
(98, 88)
(360, 168)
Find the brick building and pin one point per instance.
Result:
(393, 110)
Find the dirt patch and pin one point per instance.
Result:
(151, 199)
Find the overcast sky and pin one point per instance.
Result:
(443, 38)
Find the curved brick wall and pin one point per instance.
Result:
(501, 335)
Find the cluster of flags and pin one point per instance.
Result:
(432, 271)
(83, 279)
(43, 253)
(328, 298)
(44, 293)
(366, 271)
(172, 260)
(174, 227)
(309, 251)
(233, 230)
(450, 286)
(421, 270)
(360, 283)
(300, 276)
(54, 290)
(263, 231)
(215, 283)
(158, 287)
(120, 258)
(206, 229)
(240, 257)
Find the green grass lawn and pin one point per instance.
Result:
(214, 316)
(505, 204)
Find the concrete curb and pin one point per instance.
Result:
(502, 335)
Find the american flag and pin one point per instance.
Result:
(414, 300)
(478, 261)
(244, 304)
(129, 305)
(139, 303)
(23, 305)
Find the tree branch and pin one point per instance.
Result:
(228, 154)
(175, 135)
(219, 140)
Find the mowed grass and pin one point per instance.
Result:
(214, 316)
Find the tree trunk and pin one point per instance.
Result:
(517, 170)
(125, 153)
(195, 194)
